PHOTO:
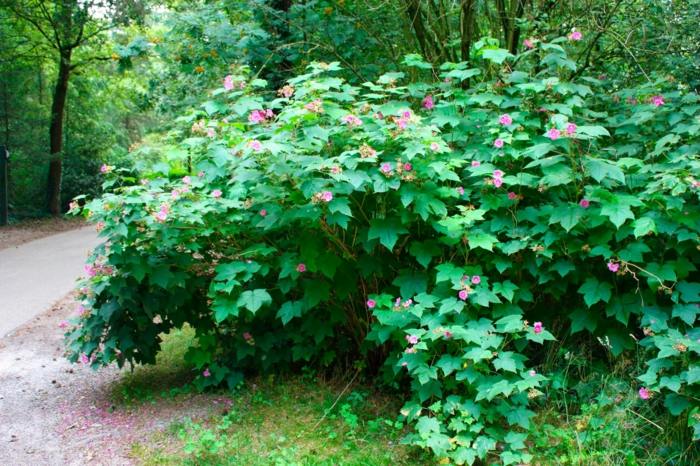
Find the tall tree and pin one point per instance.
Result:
(74, 31)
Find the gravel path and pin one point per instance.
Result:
(52, 412)
(36, 274)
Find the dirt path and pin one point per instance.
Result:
(29, 230)
(35, 274)
(56, 413)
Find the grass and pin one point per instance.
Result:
(586, 417)
(298, 420)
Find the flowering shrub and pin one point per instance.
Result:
(435, 230)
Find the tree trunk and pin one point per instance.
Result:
(58, 107)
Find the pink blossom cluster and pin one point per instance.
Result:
(553, 134)
(657, 100)
(537, 327)
(613, 266)
(301, 267)
(323, 196)
(498, 178)
(529, 43)
(230, 84)
(398, 303)
(104, 169)
(367, 151)
(162, 214)
(314, 106)
(352, 120)
(255, 145)
(505, 119)
(216, 193)
(428, 102)
(403, 120)
(575, 36)
(260, 116)
(286, 91)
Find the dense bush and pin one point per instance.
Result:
(428, 231)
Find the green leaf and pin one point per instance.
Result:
(254, 300)
(601, 169)
(675, 403)
(568, 216)
(386, 230)
(497, 56)
(424, 251)
(289, 310)
(594, 291)
(643, 225)
(481, 240)
(583, 319)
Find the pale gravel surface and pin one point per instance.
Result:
(28, 230)
(35, 274)
(56, 413)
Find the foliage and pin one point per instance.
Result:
(331, 222)
(249, 432)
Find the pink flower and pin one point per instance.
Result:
(475, 163)
(532, 373)
(428, 103)
(263, 213)
(216, 193)
(658, 100)
(269, 113)
(301, 268)
(407, 167)
(460, 190)
(90, 270)
(385, 168)
(505, 119)
(613, 266)
(247, 336)
(529, 44)
(228, 83)
(84, 358)
(537, 327)
(498, 174)
(476, 280)
(206, 373)
(570, 129)
(351, 120)
(186, 180)
(314, 106)
(498, 143)
(498, 182)
(553, 134)
(434, 146)
(326, 196)
(512, 196)
(211, 132)
(575, 36)
(644, 393)
(286, 91)
(412, 339)
(161, 216)
(104, 169)
(448, 334)
(463, 295)
(63, 324)
(371, 303)
(584, 203)
(255, 145)
(256, 116)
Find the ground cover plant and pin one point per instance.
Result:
(431, 230)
